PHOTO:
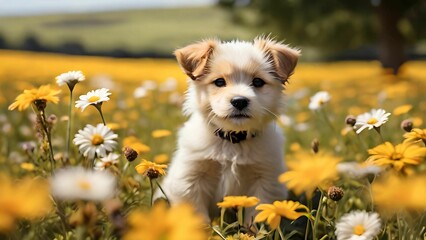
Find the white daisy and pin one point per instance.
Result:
(374, 118)
(149, 85)
(358, 225)
(79, 183)
(140, 92)
(107, 161)
(70, 78)
(93, 97)
(318, 100)
(357, 170)
(97, 141)
(169, 85)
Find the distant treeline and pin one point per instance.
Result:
(31, 43)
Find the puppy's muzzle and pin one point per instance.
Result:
(240, 102)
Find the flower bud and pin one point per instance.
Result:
(315, 145)
(407, 125)
(335, 193)
(130, 153)
(350, 120)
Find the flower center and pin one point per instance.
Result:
(94, 99)
(372, 121)
(396, 156)
(359, 230)
(321, 102)
(97, 139)
(85, 185)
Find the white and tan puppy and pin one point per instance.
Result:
(230, 145)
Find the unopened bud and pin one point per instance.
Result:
(130, 153)
(350, 120)
(335, 193)
(315, 145)
(407, 125)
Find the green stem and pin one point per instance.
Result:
(380, 134)
(280, 232)
(318, 216)
(240, 215)
(99, 107)
(222, 216)
(308, 223)
(61, 213)
(68, 140)
(49, 140)
(152, 191)
(161, 189)
(398, 221)
(327, 120)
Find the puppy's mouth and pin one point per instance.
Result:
(239, 116)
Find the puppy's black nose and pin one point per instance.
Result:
(240, 102)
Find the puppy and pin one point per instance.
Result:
(230, 145)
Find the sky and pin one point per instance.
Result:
(37, 7)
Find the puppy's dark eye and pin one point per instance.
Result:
(258, 83)
(220, 82)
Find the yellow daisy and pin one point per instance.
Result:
(43, 93)
(136, 144)
(272, 213)
(150, 169)
(402, 109)
(161, 158)
(309, 172)
(393, 193)
(180, 222)
(238, 201)
(397, 156)
(24, 199)
(159, 133)
(415, 135)
(241, 236)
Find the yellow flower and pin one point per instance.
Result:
(241, 236)
(149, 169)
(161, 158)
(24, 199)
(272, 213)
(402, 109)
(393, 193)
(25, 99)
(180, 222)
(415, 135)
(238, 201)
(159, 133)
(136, 144)
(27, 166)
(397, 156)
(113, 126)
(309, 172)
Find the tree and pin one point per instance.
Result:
(334, 25)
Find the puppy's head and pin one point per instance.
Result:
(237, 85)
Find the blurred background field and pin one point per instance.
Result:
(347, 51)
(152, 32)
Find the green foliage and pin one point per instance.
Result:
(152, 30)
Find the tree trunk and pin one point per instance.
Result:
(391, 41)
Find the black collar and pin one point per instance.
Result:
(233, 136)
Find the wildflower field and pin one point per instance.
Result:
(86, 140)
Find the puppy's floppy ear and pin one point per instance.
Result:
(283, 57)
(194, 58)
